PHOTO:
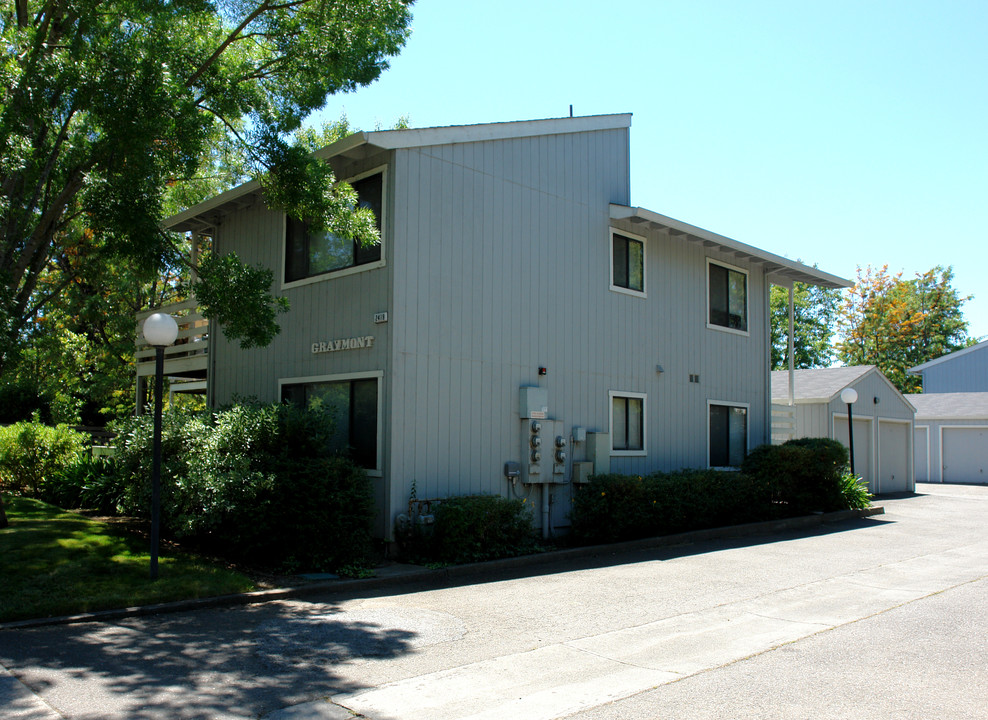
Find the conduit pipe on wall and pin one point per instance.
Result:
(545, 510)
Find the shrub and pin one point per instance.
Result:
(33, 455)
(472, 528)
(254, 482)
(90, 483)
(314, 514)
(805, 472)
(613, 508)
(854, 492)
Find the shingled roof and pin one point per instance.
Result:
(818, 384)
(949, 406)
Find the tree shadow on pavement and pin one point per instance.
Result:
(240, 662)
(623, 553)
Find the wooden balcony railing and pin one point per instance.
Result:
(186, 362)
(783, 423)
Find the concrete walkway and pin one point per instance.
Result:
(607, 636)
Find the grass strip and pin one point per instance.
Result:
(54, 562)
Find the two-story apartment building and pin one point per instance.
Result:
(519, 321)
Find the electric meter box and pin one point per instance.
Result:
(534, 403)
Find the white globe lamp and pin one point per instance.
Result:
(160, 330)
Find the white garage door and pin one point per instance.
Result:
(965, 455)
(921, 453)
(893, 457)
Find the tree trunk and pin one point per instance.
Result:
(3, 514)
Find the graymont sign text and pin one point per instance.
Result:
(353, 343)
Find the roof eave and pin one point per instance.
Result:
(918, 369)
(783, 269)
(359, 144)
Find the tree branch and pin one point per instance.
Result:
(21, 14)
(236, 35)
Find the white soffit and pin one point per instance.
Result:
(780, 270)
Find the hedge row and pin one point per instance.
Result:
(800, 477)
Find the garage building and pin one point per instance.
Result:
(882, 420)
(951, 437)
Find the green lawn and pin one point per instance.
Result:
(54, 562)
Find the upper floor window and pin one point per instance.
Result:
(727, 297)
(311, 253)
(627, 263)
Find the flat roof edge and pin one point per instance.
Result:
(419, 137)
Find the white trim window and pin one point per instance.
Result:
(727, 297)
(310, 256)
(727, 433)
(627, 263)
(355, 403)
(627, 423)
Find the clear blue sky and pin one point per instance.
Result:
(842, 133)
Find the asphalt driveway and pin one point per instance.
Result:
(881, 617)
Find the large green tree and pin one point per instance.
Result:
(114, 112)
(897, 324)
(814, 314)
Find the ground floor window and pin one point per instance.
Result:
(728, 435)
(354, 406)
(627, 423)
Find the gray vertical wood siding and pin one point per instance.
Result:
(502, 265)
(964, 373)
(497, 261)
(332, 308)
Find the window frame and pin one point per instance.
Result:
(610, 248)
(625, 452)
(747, 294)
(747, 432)
(377, 470)
(350, 269)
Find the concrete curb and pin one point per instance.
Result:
(411, 574)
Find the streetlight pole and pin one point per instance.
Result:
(850, 396)
(160, 330)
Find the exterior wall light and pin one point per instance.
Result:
(160, 330)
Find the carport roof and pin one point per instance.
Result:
(949, 406)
